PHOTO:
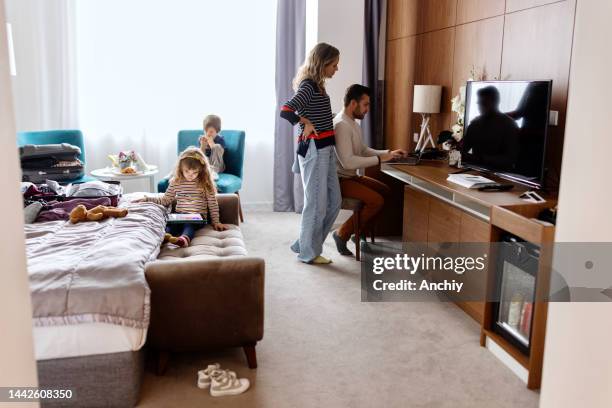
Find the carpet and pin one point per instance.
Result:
(322, 347)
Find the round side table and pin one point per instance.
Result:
(109, 174)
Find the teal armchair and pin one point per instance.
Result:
(230, 181)
(43, 137)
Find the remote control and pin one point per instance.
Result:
(496, 187)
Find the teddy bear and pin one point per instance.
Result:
(101, 212)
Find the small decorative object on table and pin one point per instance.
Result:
(451, 145)
(128, 162)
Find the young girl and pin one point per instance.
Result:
(193, 190)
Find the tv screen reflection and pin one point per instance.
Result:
(505, 127)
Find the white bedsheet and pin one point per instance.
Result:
(85, 339)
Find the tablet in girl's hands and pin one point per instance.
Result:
(184, 218)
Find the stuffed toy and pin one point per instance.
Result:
(80, 213)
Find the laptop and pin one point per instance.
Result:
(412, 160)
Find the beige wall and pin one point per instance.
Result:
(16, 348)
(578, 353)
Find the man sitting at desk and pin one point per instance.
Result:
(353, 154)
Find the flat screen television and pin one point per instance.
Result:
(505, 129)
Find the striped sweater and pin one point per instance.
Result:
(311, 103)
(190, 199)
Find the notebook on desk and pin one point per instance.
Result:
(470, 180)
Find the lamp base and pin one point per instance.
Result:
(425, 137)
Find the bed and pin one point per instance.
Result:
(91, 303)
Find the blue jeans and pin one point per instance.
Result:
(322, 200)
(186, 229)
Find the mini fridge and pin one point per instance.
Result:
(517, 274)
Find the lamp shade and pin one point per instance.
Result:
(427, 98)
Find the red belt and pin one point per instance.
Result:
(320, 135)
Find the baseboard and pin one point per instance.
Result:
(514, 366)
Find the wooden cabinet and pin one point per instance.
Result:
(444, 223)
(455, 221)
(416, 218)
(430, 220)
(474, 229)
(473, 232)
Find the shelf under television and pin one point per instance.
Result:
(520, 220)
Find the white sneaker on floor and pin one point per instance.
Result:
(225, 382)
(204, 375)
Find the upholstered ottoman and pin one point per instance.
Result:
(209, 295)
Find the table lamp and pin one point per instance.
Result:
(426, 101)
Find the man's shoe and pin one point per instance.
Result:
(341, 245)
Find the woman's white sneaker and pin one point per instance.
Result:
(225, 382)
(204, 375)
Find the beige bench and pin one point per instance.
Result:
(209, 295)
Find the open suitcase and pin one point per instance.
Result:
(59, 162)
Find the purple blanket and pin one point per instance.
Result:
(61, 210)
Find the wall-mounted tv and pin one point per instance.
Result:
(506, 124)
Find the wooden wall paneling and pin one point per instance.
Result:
(546, 54)
(472, 10)
(436, 14)
(478, 45)
(537, 45)
(434, 66)
(402, 20)
(399, 84)
(516, 5)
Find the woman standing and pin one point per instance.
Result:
(311, 108)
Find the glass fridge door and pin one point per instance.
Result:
(517, 285)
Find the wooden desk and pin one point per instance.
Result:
(436, 211)
(430, 177)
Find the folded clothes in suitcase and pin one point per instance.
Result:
(62, 172)
(59, 162)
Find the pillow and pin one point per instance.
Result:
(31, 212)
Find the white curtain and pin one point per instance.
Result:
(45, 86)
(147, 68)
